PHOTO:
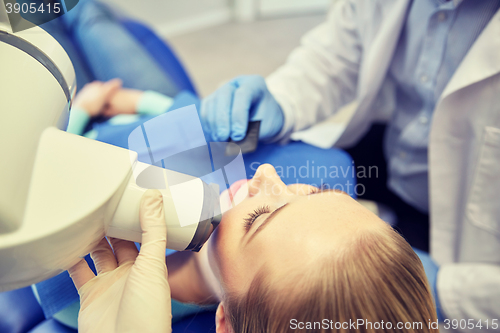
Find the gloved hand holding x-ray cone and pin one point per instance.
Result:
(225, 114)
(130, 292)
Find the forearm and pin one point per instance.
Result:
(321, 75)
(153, 103)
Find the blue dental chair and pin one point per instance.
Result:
(20, 312)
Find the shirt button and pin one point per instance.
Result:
(402, 154)
(423, 120)
(424, 78)
(441, 17)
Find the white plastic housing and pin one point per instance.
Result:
(183, 204)
(74, 191)
(31, 99)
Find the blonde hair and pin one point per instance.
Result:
(378, 279)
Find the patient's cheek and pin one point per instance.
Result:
(241, 194)
(222, 249)
(225, 201)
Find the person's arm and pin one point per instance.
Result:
(90, 102)
(321, 75)
(154, 103)
(318, 79)
(130, 101)
(470, 292)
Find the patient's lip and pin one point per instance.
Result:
(227, 197)
(236, 186)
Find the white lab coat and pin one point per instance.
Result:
(344, 61)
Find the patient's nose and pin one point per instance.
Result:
(266, 181)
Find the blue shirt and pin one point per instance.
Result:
(436, 37)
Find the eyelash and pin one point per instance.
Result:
(318, 189)
(250, 219)
(314, 190)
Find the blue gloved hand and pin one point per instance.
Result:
(431, 270)
(225, 114)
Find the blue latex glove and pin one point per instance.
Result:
(431, 270)
(225, 114)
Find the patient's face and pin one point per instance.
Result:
(281, 228)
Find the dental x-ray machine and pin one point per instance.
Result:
(61, 193)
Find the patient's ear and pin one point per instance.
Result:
(221, 324)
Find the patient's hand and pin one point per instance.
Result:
(130, 292)
(123, 101)
(94, 96)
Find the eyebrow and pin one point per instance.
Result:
(267, 220)
(328, 190)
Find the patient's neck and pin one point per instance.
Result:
(186, 279)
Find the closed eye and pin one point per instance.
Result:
(250, 219)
